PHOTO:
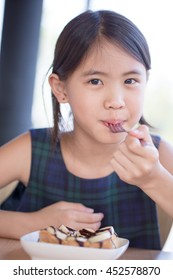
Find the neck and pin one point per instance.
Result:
(86, 158)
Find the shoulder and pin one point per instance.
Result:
(15, 157)
(17, 145)
(166, 154)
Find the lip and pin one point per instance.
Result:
(115, 125)
(114, 122)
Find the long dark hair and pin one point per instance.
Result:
(78, 37)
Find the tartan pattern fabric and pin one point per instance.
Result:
(129, 210)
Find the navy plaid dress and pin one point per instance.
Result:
(129, 210)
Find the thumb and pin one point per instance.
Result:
(142, 133)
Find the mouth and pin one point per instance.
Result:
(115, 127)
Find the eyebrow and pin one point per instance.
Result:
(133, 72)
(93, 72)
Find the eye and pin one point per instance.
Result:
(95, 82)
(130, 81)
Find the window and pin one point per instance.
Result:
(2, 2)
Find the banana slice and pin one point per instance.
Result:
(110, 229)
(100, 237)
(103, 238)
(51, 230)
(61, 235)
(67, 230)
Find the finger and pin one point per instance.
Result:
(128, 162)
(124, 153)
(124, 164)
(118, 168)
(79, 220)
(123, 158)
(81, 207)
(94, 226)
(74, 206)
(142, 133)
(138, 147)
(88, 217)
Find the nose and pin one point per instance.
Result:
(114, 100)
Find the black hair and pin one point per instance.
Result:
(80, 34)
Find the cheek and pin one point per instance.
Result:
(135, 100)
(84, 111)
(137, 103)
(83, 102)
(135, 106)
(79, 109)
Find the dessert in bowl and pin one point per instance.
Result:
(66, 243)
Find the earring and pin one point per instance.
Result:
(63, 99)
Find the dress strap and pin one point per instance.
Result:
(156, 140)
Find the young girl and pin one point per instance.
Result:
(104, 171)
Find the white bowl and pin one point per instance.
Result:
(46, 251)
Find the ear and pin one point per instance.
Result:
(58, 88)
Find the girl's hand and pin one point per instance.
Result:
(137, 160)
(74, 215)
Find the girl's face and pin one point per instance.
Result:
(107, 87)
